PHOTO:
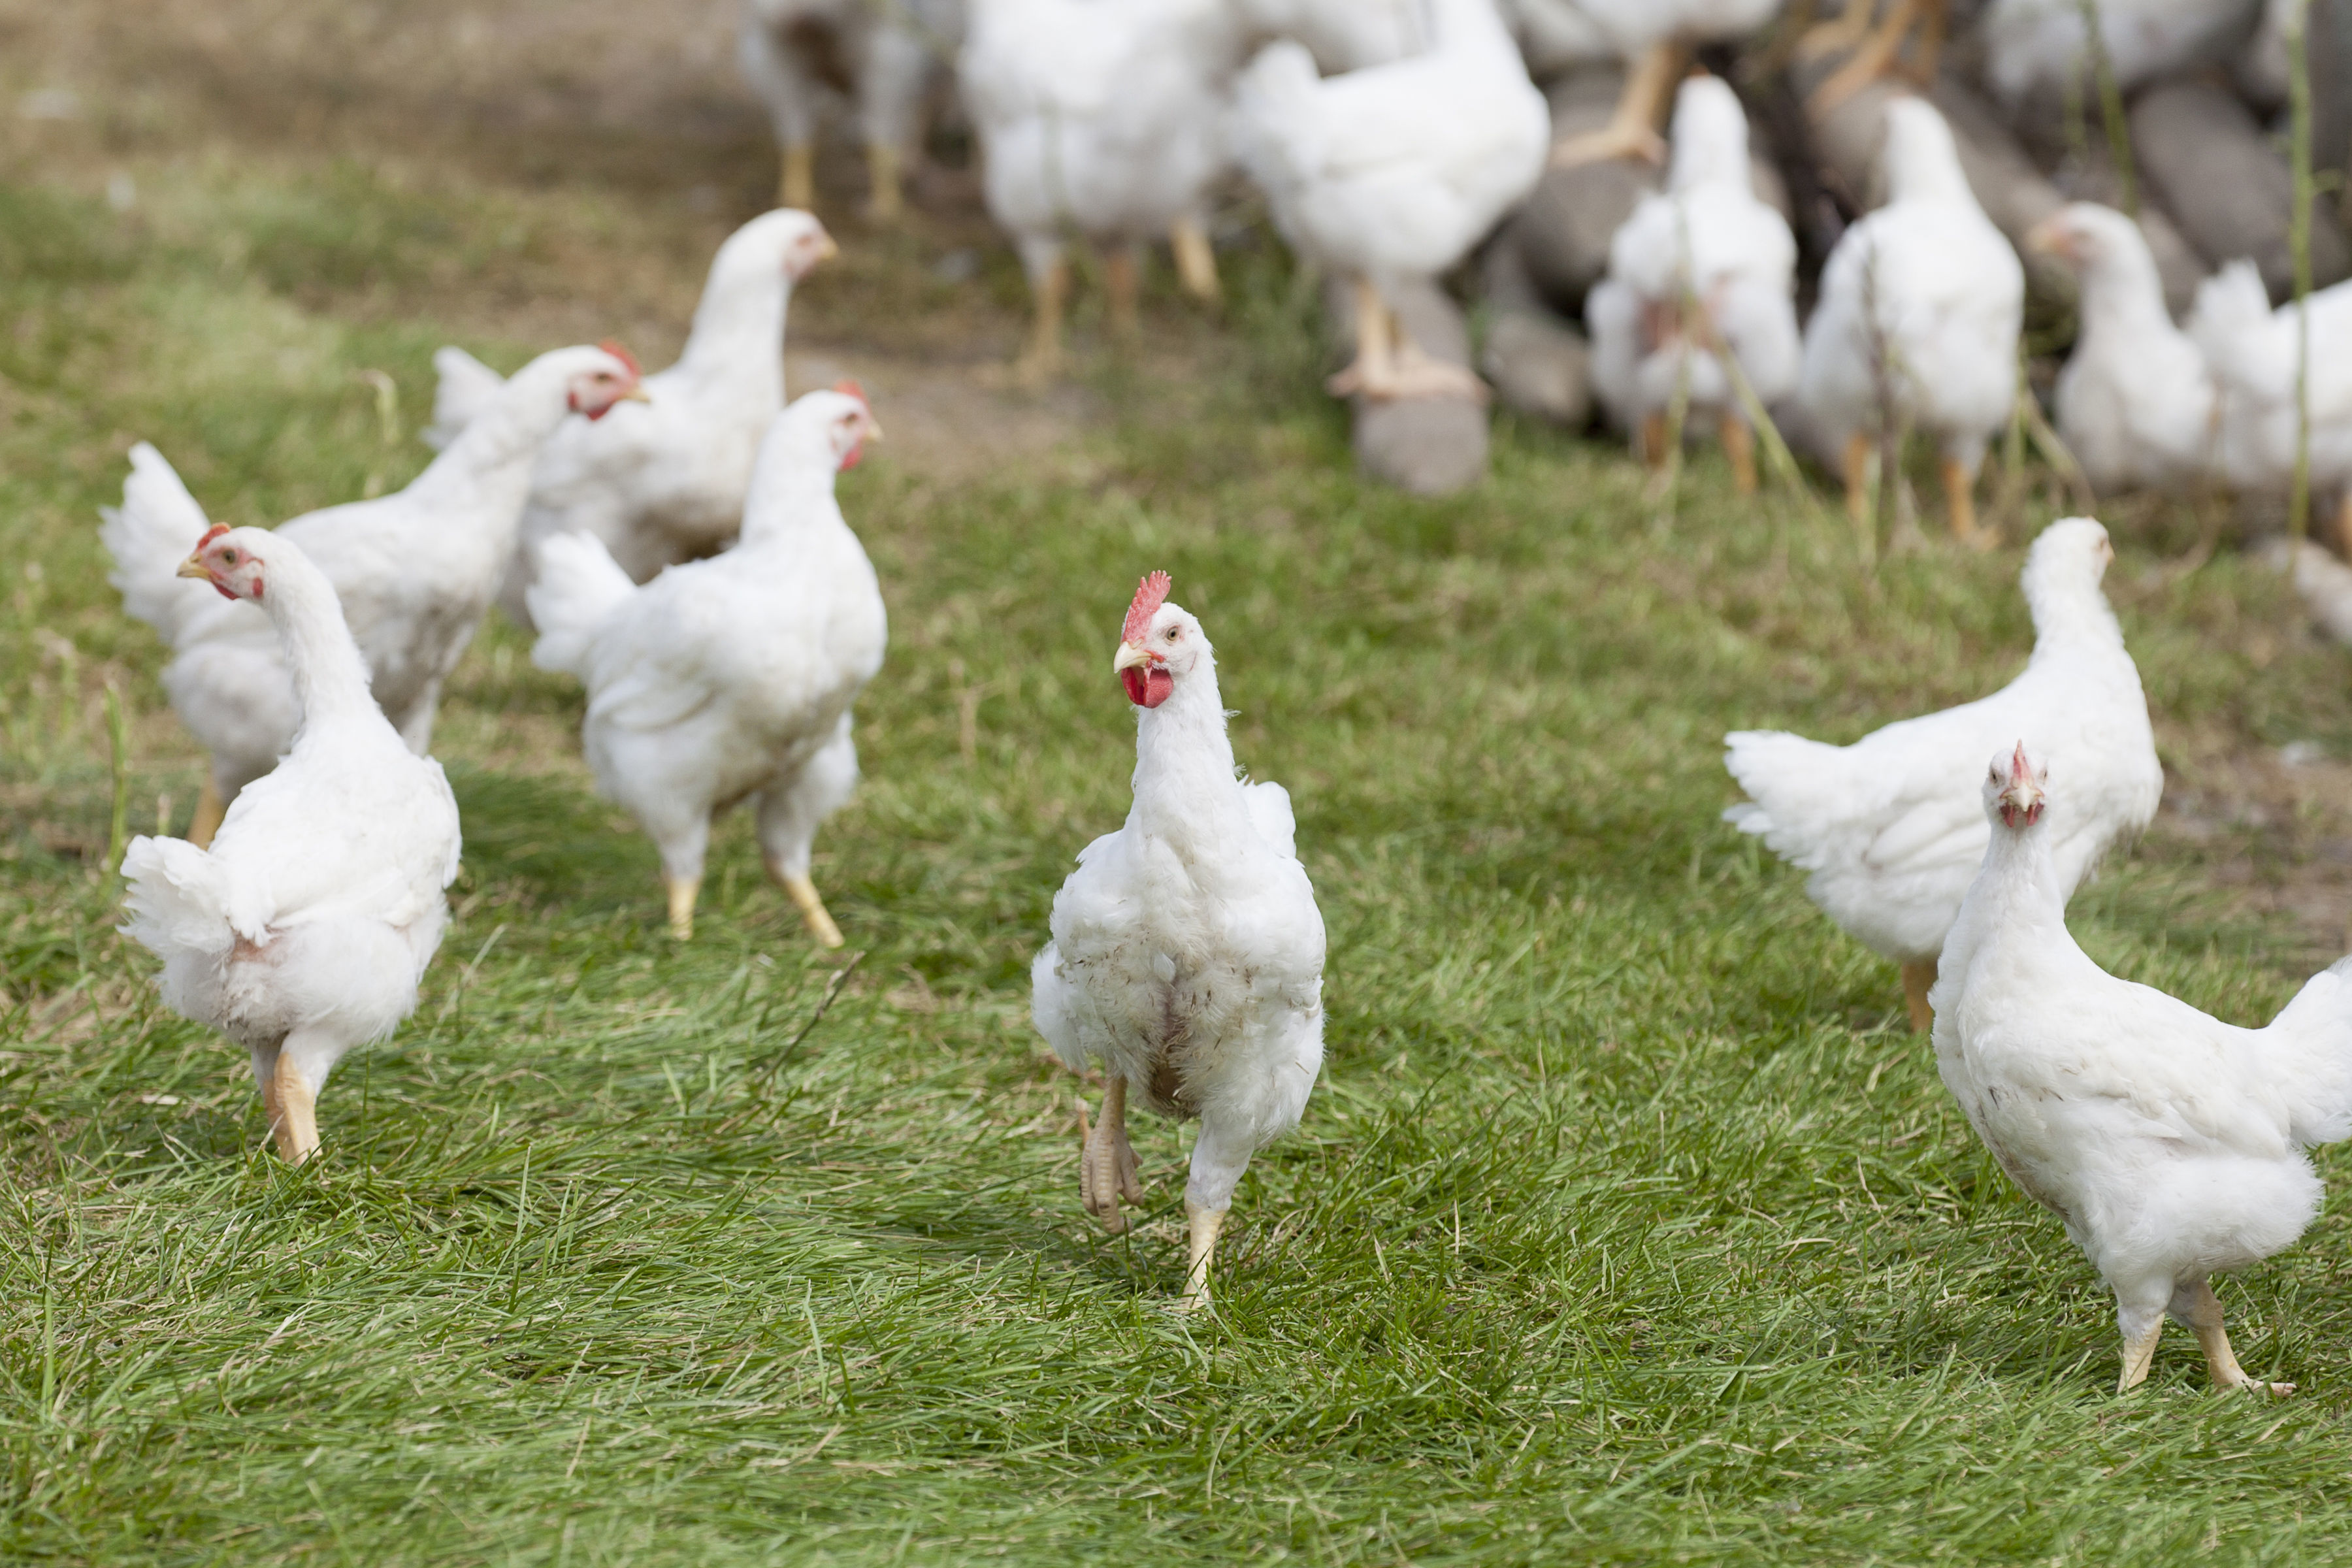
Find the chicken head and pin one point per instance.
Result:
(230, 560)
(594, 390)
(852, 426)
(1159, 646)
(2017, 788)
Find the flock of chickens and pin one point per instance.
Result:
(676, 544)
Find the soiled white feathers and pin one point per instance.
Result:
(1891, 827)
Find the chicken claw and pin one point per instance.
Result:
(1106, 1165)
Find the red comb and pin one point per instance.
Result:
(848, 386)
(1149, 594)
(215, 532)
(624, 355)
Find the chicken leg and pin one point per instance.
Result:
(1851, 28)
(2139, 1353)
(1961, 504)
(1122, 285)
(802, 893)
(1107, 1160)
(1043, 360)
(1874, 54)
(1739, 446)
(1631, 131)
(1918, 979)
(1389, 365)
(797, 185)
(885, 200)
(210, 810)
(1201, 1227)
(1196, 262)
(1859, 449)
(2204, 1315)
(683, 890)
(287, 1102)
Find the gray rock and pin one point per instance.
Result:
(2226, 183)
(1564, 231)
(1428, 446)
(1541, 366)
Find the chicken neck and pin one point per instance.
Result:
(1185, 792)
(735, 350)
(481, 480)
(330, 678)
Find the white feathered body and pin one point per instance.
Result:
(2136, 401)
(1393, 171)
(2252, 352)
(1892, 828)
(1633, 25)
(798, 54)
(725, 679)
(413, 573)
(2169, 1143)
(2036, 45)
(1099, 117)
(1187, 952)
(1706, 244)
(1921, 304)
(321, 900)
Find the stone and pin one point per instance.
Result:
(2227, 184)
(1541, 366)
(1427, 446)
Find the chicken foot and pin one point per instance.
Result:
(2203, 1314)
(1918, 979)
(1042, 360)
(803, 895)
(1389, 365)
(210, 810)
(1107, 1160)
(1631, 131)
(1960, 505)
(683, 890)
(1875, 53)
(796, 187)
(1196, 262)
(1201, 1227)
(288, 1104)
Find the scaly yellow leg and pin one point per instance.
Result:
(295, 1122)
(1918, 979)
(683, 890)
(1200, 1226)
(210, 810)
(803, 892)
(797, 188)
(884, 201)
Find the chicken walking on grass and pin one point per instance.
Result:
(731, 678)
(414, 572)
(302, 931)
(2171, 1143)
(663, 483)
(1187, 957)
(1889, 826)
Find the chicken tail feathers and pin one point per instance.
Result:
(154, 528)
(1274, 121)
(2311, 1037)
(466, 388)
(579, 586)
(178, 897)
(1782, 775)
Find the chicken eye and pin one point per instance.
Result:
(228, 557)
(1175, 632)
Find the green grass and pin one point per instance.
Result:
(1627, 1225)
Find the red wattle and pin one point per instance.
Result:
(1132, 679)
(850, 461)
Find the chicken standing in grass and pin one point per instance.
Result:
(731, 678)
(1921, 305)
(2171, 1143)
(302, 931)
(1187, 957)
(413, 571)
(1889, 826)
(664, 483)
(1702, 270)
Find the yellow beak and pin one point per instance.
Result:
(192, 567)
(1131, 654)
(636, 393)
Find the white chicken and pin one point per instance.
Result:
(2036, 47)
(884, 59)
(2254, 352)
(302, 931)
(2171, 1143)
(1104, 118)
(664, 483)
(731, 678)
(1653, 35)
(1187, 956)
(1889, 826)
(1921, 304)
(1700, 268)
(1342, 35)
(1391, 173)
(414, 572)
(2135, 400)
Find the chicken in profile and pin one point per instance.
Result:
(302, 931)
(731, 678)
(2171, 1143)
(1187, 952)
(413, 573)
(1702, 270)
(1389, 175)
(1105, 121)
(1921, 305)
(2136, 399)
(664, 482)
(2254, 353)
(1890, 826)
